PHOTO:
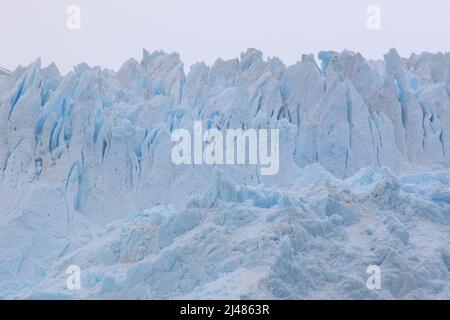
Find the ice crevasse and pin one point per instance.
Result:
(86, 179)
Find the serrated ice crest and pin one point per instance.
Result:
(86, 179)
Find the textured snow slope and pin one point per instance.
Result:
(86, 178)
(4, 72)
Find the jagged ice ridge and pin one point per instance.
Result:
(86, 178)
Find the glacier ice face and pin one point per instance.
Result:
(314, 239)
(86, 178)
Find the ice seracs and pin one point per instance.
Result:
(86, 178)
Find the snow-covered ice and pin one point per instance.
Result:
(86, 179)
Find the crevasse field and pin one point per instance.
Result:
(86, 179)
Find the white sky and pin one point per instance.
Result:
(202, 30)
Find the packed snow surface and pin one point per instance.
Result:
(86, 179)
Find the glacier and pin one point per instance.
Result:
(86, 179)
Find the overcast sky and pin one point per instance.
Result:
(202, 30)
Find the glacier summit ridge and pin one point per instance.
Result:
(86, 179)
